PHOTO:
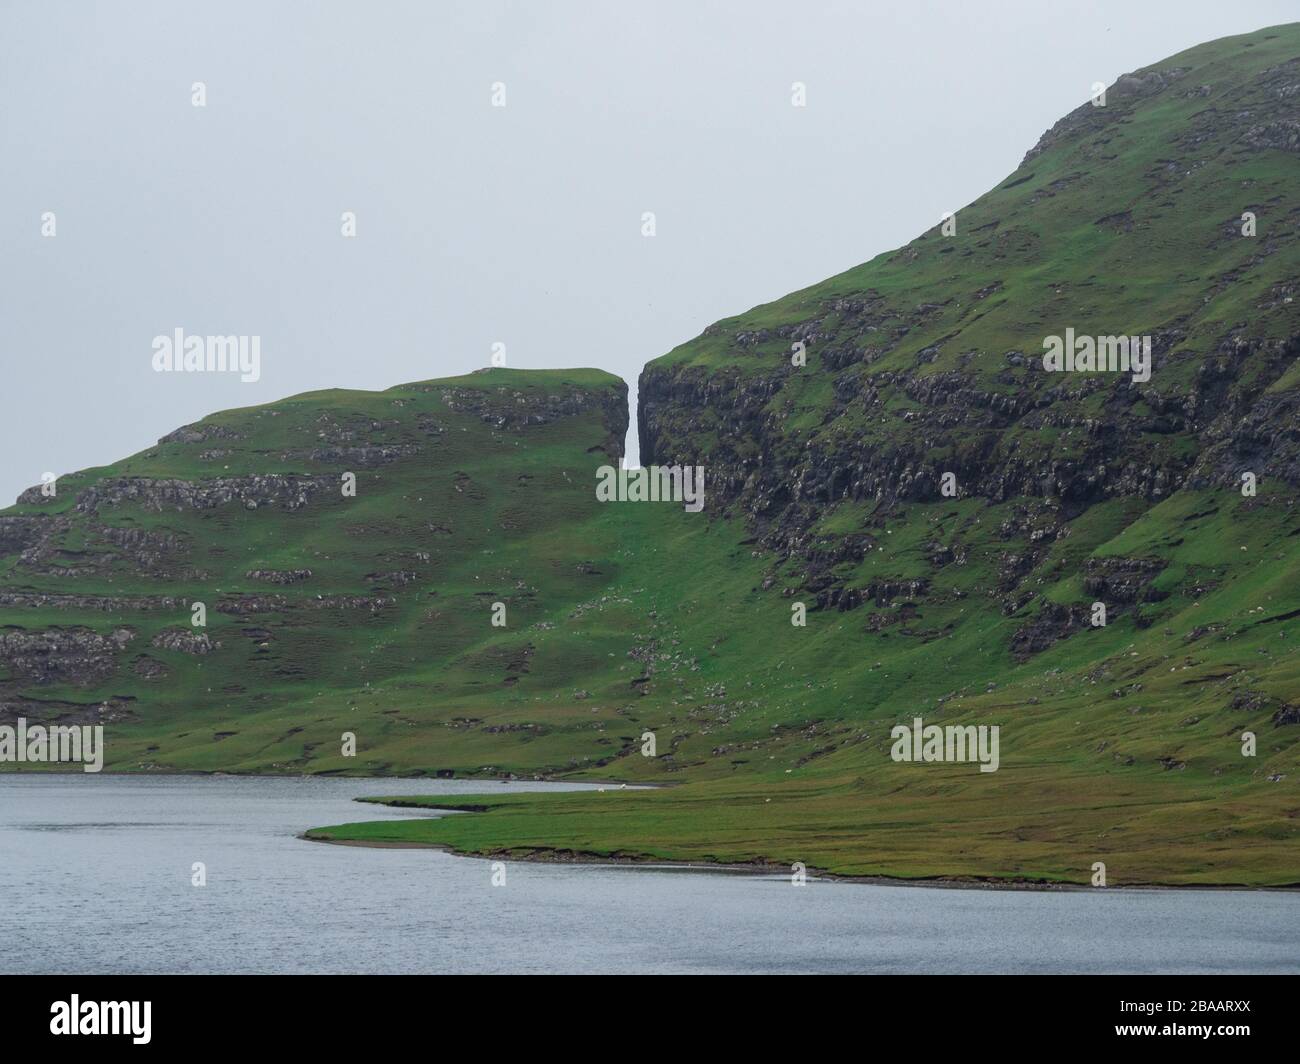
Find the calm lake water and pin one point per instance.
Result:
(95, 877)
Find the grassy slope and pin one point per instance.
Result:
(1081, 777)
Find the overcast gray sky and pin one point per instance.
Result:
(478, 224)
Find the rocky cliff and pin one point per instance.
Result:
(1170, 212)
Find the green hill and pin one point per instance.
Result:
(1119, 743)
(325, 612)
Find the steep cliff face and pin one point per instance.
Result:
(1170, 213)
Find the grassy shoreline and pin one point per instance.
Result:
(509, 827)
